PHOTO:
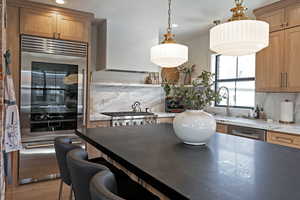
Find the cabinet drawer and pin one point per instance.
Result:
(222, 128)
(283, 139)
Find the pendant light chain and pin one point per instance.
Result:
(169, 18)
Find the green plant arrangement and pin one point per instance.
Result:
(187, 70)
(195, 97)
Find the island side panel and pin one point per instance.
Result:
(94, 153)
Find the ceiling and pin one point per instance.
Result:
(194, 17)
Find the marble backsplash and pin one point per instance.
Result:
(115, 98)
(271, 103)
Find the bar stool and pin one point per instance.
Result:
(82, 171)
(62, 146)
(103, 186)
(116, 185)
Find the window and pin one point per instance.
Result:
(237, 73)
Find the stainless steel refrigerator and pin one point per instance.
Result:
(52, 101)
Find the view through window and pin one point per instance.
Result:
(237, 73)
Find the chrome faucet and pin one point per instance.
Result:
(227, 99)
(136, 107)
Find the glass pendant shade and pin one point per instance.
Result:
(241, 37)
(169, 54)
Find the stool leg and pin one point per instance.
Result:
(71, 192)
(60, 190)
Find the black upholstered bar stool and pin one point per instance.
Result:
(103, 186)
(82, 171)
(116, 185)
(62, 146)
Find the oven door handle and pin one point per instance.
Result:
(245, 135)
(35, 146)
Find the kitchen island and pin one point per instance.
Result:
(229, 168)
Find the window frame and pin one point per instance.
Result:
(217, 61)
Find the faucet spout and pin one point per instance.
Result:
(227, 99)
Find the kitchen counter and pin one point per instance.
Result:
(229, 168)
(237, 121)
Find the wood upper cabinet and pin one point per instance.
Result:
(292, 15)
(270, 64)
(278, 66)
(276, 19)
(54, 25)
(72, 28)
(292, 59)
(37, 22)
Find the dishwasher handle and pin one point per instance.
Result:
(247, 135)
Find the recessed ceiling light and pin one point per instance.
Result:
(60, 1)
(175, 25)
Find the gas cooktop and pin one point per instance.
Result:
(123, 114)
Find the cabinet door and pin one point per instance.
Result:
(292, 15)
(275, 19)
(36, 22)
(72, 28)
(283, 139)
(222, 128)
(292, 57)
(269, 65)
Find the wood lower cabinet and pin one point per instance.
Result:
(72, 28)
(222, 128)
(283, 139)
(292, 59)
(270, 64)
(98, 124)
(168, 120)
(37, 22)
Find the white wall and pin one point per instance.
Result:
(129, 44)
(199, 53)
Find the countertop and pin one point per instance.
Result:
(229, 168)
(238, 121)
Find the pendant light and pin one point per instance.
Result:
(169, 53)
(240, 35)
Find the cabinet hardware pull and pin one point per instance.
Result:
(54, 35)
(287, 24)
(281, 79)
(284, 140)
(286, 79)
(58, 35)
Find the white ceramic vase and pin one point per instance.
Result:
(194, 127)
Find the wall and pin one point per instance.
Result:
(2, 49)
(199, 53)
(129, 44)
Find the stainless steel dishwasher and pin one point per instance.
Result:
(252, 133)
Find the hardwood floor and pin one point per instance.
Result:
(47, 190)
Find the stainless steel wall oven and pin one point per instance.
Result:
(52, 101)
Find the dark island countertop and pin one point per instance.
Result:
(229, 168)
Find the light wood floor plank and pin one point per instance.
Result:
(47, 190)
